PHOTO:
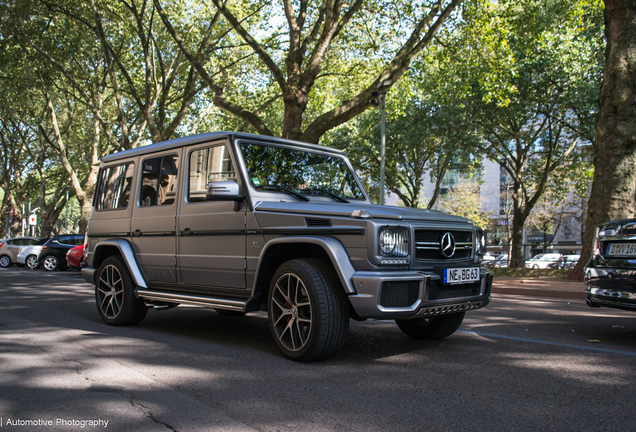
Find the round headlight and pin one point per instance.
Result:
(388, 241)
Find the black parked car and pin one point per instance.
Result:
(610, 276)
(53, 254)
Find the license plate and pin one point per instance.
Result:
(461, 275)
(622, 249)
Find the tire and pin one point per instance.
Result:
(229, 313)
(5, 261)
(50, 263)
(115, 294)
(32, 262)
(308, 312)
(436, 327)
(536, 266)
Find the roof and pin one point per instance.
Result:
(201, 138)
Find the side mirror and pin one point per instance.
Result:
(225, 191)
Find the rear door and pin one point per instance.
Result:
(211, 234)
(154, 216)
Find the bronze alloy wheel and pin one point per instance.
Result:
(308, 310)
(115, 294)
(291, 312)
(110, 291)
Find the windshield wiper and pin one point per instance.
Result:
(280, 188)
(326, 192)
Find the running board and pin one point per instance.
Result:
(233, 305)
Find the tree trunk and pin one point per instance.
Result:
(613, 194)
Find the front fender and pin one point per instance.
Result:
(334, 249)
(127, 253)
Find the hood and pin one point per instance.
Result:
(346, 209)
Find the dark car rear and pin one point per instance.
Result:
(610, 276)
(53, 254)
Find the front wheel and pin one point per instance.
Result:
(115, 294)
(50, 263)
(436, 327)
(307, 310)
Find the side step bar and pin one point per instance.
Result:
(233, 305)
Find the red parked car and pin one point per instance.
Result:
(74, 256)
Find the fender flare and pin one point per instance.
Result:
(334, 249)
(129, 258)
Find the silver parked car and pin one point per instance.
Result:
(28, 255)
(241, 222)
(9, 249)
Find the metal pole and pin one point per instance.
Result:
(66, 209)
(382, 152)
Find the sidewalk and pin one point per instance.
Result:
(539, 287)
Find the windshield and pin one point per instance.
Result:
(300, 171)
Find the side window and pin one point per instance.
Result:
(208, 165)
(66, 240)
(159, 181)
(115, 184)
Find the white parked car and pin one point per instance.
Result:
(543, 260)
(28, 255)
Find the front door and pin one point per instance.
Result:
(211, 241)
(154, 217)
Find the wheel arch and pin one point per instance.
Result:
(283, 249)
(108, 248)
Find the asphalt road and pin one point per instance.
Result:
(521, 364)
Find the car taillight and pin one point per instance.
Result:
(1, 243)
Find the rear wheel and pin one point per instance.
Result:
(307, 310)
(436, 327)
(5, 261)
(50, 263)
(115, 294)
(32, 262)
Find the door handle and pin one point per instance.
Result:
(137, 233)
(187, 232)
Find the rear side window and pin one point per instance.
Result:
(208, 165)
(115, 184)
(159, 181)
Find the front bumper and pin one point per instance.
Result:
(611, 287)
(415, 294)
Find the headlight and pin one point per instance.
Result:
(480, 242)
(394, 241)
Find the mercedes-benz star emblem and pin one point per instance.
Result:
(448, 245)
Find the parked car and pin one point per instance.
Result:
(241, 222)
(28, 255)
(53, 254)
(542, 261)
(499, 261)
(75, 256)
(567, 262)
(609, 275)
(9, 249)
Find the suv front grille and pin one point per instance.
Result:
(399, 294)
(428, 244)
(439, 291)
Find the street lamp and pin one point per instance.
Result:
(383, 88)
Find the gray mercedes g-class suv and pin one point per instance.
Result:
(242, 223)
